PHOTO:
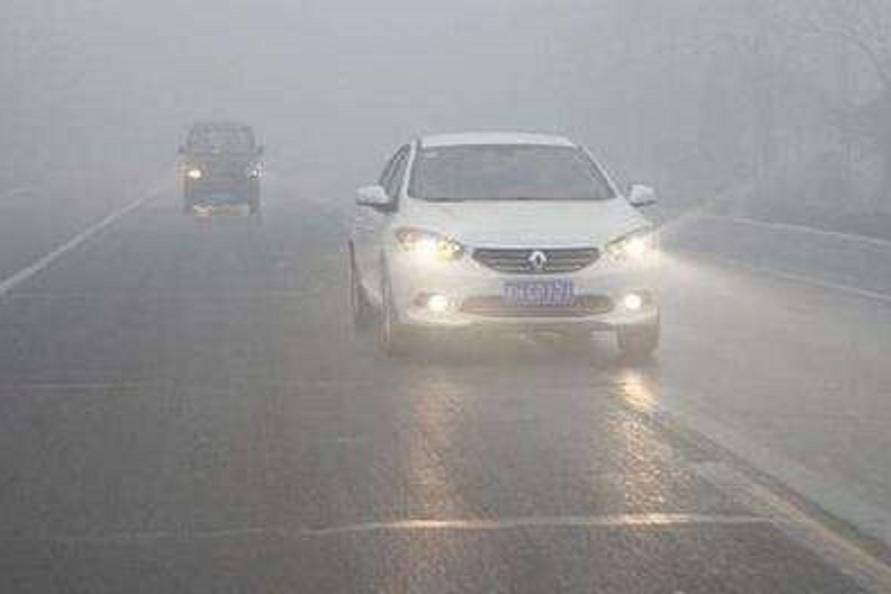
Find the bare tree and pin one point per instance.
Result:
(865, 27)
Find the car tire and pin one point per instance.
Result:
(254, 206)
(394, 338)
(638, 343)
(360, 308)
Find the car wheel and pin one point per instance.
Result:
(254, 206)
(394, 338)
(359, 306)
(638, 343)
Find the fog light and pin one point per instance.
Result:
(633, 302)
(438, 303)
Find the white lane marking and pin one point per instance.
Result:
(789, 227)
(12, 199)
(470, 525)
(93, 387)
(837, 499)
(804, 279)
(23, 275)
(869, 572)
(79, 386)
(606, 521)
(16, 192)
(166, 294)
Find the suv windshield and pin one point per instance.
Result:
(221, 140)
(506, 172)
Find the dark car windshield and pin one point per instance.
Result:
(506, 172)
(221, 140)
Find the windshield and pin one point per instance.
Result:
(221, 140)
(506, 172)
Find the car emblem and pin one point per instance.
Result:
(538, 260)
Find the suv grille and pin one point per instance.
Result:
(532, 261)
(495, 307)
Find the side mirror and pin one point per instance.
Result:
(640, 196)
(373, 196)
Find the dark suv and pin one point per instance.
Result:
(221, 166)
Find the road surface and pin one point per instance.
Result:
(185, 408)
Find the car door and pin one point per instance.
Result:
(372, 222)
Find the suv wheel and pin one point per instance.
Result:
(637, 343)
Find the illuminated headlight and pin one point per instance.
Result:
(194, 173)
(429, 246)
(433, 302)
(254, 171)
(634, 247)
(633, 302)
(438, 303)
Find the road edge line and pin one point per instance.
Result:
(868, 518)
(851, 534)
(25, 274)
(804, 229)
(866, 522)
(801, 279)
(831, 545)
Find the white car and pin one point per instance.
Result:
(491, 232)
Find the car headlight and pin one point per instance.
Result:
(428, 245)
(194, 173)
(634, 247)
(254, 171)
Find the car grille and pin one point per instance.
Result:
(522, 261)
(495, 306)
(224, 171)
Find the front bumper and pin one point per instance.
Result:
(467, 281)
(221, 191)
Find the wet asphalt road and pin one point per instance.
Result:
(185, 408)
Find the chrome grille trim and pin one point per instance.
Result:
(517, 261)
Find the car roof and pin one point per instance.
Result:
(494, 138)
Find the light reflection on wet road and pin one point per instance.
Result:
(185, 408)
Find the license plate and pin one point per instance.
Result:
(539, 293)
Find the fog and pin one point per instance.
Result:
(226, 369)
(695, 97)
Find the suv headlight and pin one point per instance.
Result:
(634, 247)
(194, 173)
(428, 245)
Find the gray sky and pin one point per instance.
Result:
(322, 81)
(691, 95)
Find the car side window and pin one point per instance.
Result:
(394, 183)
(388, 170)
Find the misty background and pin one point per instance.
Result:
(776, 108)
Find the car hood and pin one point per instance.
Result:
(528, 224)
